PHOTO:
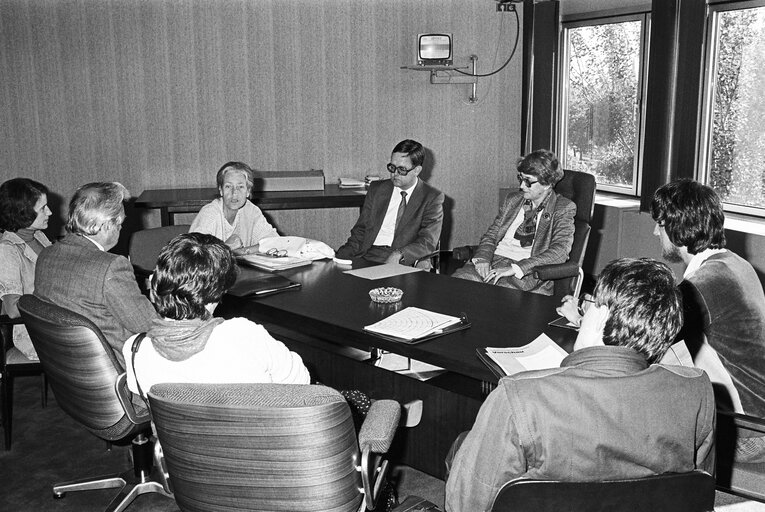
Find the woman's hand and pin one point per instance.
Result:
(235, 242)
(243, 251)
(498, 273)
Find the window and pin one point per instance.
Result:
(602, 85)
(732, 148)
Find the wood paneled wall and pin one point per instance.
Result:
(160, 93)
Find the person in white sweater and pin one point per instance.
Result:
(188, 344)
(232, 217)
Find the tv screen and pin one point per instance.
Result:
(434, 50)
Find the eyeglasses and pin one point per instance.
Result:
(400, 170)
(527, 181)
(276, 253)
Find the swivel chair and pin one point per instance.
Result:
(145, 246)
(670, 492)
(735, 477)
(89, 386)
(274, 447)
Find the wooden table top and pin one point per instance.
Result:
(335, 306)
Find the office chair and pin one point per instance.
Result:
(14, 364)
(670, 492)
(434, 259)
(89, 386)
(145, 246)
(579, 187)
(742, 479)
(257, 447)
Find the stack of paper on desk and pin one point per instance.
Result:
(352, 183)
(271, 263)
(412, 323)
(537, 355)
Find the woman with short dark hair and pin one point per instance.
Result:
(24, 214)
(535, 226)
(188, 344)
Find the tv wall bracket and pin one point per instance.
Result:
(450, 75)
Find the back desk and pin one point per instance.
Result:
(328, 314)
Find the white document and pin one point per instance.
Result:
(539, 354)
(412, 323)
(383, 271)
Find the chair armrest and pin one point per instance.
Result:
(556, 271)
(742, 421)
(125, 396)
(375, 438)
(379, 426)
(427, 257)
(463, 253)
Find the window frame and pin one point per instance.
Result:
(561, 117)
(711, 47)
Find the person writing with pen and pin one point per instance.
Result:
(535, 226)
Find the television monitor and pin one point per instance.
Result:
(434, 49)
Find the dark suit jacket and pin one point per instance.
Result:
(416, 235)
(101, 286)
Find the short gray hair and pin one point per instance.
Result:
(95, 204)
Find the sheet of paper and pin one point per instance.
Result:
(412, 323)
(382, 271)
(539, 354)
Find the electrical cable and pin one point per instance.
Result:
(512, 53)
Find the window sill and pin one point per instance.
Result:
(733, 221)
(617, 201)
(744, 224)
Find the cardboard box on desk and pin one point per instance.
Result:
(279, 181)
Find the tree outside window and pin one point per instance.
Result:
(601, 85)
(735, 153)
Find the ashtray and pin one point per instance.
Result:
(386, 295)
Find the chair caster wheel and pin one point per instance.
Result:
(58, 495)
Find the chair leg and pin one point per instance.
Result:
(7, 396)
(141, 479)
(43, 390)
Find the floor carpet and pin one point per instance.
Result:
(50, 447)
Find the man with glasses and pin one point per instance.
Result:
(80, 274)
(401, 219)
(535, 226)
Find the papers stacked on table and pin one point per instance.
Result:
(272, 263)
(352, 183)
(413, 324)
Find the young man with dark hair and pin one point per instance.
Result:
(401, 219)
(607, 413)
(723, 298)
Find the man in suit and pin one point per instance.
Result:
(608, 412)
(401, 219)
(79, 274)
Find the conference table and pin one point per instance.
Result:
(323, 322)
(173, 201)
